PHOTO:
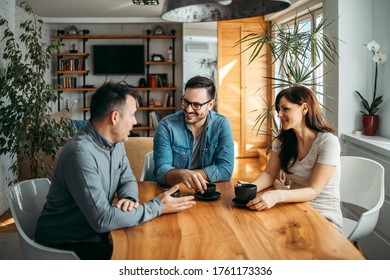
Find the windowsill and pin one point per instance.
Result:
(377, 144)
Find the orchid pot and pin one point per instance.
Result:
(369, 119)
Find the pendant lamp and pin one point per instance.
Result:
(214, 10)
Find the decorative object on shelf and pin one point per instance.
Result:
(158, 30)
(370, 119)
(170, 54)
(158, 80)
(213, 10)
(142, 83)
(157, 58)
(146, 2)
(72, 30)
(153, 80)
(29, 131)
(73, 50)
(154, 102)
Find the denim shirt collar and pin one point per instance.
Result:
(206, 124)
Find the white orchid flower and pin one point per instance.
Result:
(373, 46)
(380, 58)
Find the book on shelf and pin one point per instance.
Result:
(71, 64)
(139, 101)
(170, 103)
(67, 82)
(153, 119)
(166, 100)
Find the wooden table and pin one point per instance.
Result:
(219, 230)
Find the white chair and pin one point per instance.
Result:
(148, 170)
(26, 200)
(362, 184)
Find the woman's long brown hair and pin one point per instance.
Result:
(314, 120)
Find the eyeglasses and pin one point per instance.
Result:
(195, 105)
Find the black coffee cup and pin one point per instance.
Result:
(245, 192)
(176, 193)
(211, 189)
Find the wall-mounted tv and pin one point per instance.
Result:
(118, 59)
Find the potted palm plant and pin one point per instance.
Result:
(297, 52)
(28, 131)
(370, 118)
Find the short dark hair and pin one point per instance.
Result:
(202, 82)
(109, 97)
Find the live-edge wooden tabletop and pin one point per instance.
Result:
(219, 230)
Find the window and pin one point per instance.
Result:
(308, 58)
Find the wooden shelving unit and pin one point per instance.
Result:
(149, 64)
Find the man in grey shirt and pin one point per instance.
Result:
(91, 168)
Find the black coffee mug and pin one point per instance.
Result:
(176, 193)
(210, 191)
(245, 192)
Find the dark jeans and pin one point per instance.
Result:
(89, 250)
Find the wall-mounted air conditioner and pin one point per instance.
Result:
(198, 47)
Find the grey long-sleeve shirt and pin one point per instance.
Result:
(79, 207)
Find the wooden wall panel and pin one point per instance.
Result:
(241, 84)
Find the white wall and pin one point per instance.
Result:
(354, 71)
(359, 22)
(198, 33)
(380, 31)
(191, 60)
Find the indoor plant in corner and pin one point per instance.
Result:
(369, 118)
(28, 132)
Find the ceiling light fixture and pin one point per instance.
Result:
(214, 10)
(145, 2)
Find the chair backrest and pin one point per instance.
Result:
(26, 200)
(362, 184)
(136, 149)
(148, 170)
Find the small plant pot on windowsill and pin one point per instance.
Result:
(370, 124)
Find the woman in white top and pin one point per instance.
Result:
(308, 152)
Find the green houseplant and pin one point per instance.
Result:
(28, 132)
(370, 119)
(297, 51)
(210, 64)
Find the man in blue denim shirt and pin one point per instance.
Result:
(194, 146)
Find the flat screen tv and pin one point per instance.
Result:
(118, 59)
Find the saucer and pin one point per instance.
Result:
(201, 197)
(238, 203)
